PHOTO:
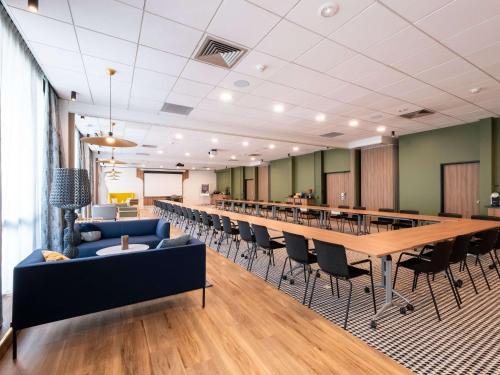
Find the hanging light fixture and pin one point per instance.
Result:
(33, 6)
(109, 140)
(111, 161)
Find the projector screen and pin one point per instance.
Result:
(162, 184)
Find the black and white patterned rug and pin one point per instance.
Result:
(466, 341)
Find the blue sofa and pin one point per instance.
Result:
(149, 232)
(50, 291)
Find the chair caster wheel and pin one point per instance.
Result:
(373, 324)
(285, 277)
(459, 283)
(318, 275)
(491, 266)
(410, 307)
(292, 281)
(367, 289)
(402, 310)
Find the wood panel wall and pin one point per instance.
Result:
(461, 188)
(263, 183)
(336, 184)
(379, 177)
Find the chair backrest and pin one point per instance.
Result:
(261, 236)
(245, 231)
(449, 214)
(411, 212)
(216, 221)
(343, 206)
(296, 247)
(197, 216)
(358, 208)
(441, 256)
(204, 218)
(460, 247)
(485, 217)
(488, 240)
(332, 258)
(386, 209)
(226, 224)
(189, 212)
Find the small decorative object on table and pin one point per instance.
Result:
(125, 242)
(70, 190)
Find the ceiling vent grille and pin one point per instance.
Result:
(149, 146)
(417, 114)
(176, 109)
(218, 53)
(331, 135)
(142, 154)
(254, 155)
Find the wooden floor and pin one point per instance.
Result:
(247, 327)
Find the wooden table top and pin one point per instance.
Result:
(376, 244)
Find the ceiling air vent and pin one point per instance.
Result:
(176, 109)
(218, 53)
(142, 154)
(255, 155)
(417, 114)
(331, 135)
(149, 146)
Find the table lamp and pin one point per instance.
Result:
(70, 190)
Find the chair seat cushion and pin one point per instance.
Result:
(416, 264)
(275, 245)
(355, 271)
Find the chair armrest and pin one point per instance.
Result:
(276, 238)
(361, 261)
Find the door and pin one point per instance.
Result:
(460, 188)
(250, 189)
(338, 189)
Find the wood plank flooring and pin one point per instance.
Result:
(247, 327)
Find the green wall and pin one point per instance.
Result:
(303, 173)
(250, 173)
(223, 180)
(338, 160)
(281, 179)
(237, 182)
(421, 156)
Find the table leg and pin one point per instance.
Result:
(257, 209)
(359, 225)
(273, 212)
(244, 207)
(232, 206)
(223, 205)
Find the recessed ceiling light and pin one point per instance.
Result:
(320, 117)
(260, 67)
(193, 168)
(211, 156)
(226, 97)
(160, 152)
(143, 165)
(187, 154)
(328, 10)
(475, 90)
(296, 148)
(177, 167)
(353, 123)
(178, 136)
(272, 146)
(207, 168)
(245, 143)
(233, 157)
(241, 83)
(215, 140)
(252, 158)
(33, 6)
(161, 166)
(381, 129)
(278, 108)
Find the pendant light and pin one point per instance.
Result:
(111, 161)
(109, 140)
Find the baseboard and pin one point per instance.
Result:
(6, 342)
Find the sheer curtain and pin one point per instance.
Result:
(29, 150)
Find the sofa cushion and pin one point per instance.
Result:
(182, 240)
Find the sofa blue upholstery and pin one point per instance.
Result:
(50, 291)
(149, 232)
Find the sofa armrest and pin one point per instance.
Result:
(163, 229)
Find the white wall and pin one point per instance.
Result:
(192, 186)
(128, 182)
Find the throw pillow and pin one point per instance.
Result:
(52, 256)
(91, 236)
(174, 242)
(88, 227)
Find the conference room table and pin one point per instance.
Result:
(382, 245)
(324, 211)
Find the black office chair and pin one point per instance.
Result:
(383, 221)
(405, 223)
(485, 217)
(267, 243)
(197, 223)
(217, 230)
(247, 236)
(332, 260)
(307, 215)
(340, 218)
(231, 233)
(486, 245)
(355, 219)
(438, 263)
(207, 224)
(450, 214)
(298, 251)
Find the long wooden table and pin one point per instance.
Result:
(378, 245)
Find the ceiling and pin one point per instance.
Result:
(372, 61)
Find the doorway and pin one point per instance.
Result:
(250, 190)
(460, 188)
(338, 189)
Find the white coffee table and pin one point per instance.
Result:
(118, 249)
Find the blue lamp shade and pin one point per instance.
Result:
(70, 188)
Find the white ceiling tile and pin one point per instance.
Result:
(148, 93)
(137, 104)
(380, 78)
(193, 13)
(65, 81)
(45, 30)
(99, 87)
(57, 9)
(255, 102)
(424, 59)
(159, 61)
(461, 84)
(272, 91)
(97, 67)
(458, 15)
(277, 42)
(414, 10)
(135, 3)
(371, 26)
(307, 14)
(106, 47)
(325, 55)
(448, 69)
(60, 58)
(356, 67)
(322, 104)
(248, 63)
(215, 95)
(241, 22)
(182, 99)
(169, 36)
(148, 78)
(488, 59)
(299, 97)
(346, 92)
(108, 17)
(280, 7)
(303, 113)
(201, 72)
(402, 86)
(232, 77)
(192, 88)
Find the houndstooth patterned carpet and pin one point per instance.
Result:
(466, 341)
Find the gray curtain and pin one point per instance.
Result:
(52, 221)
